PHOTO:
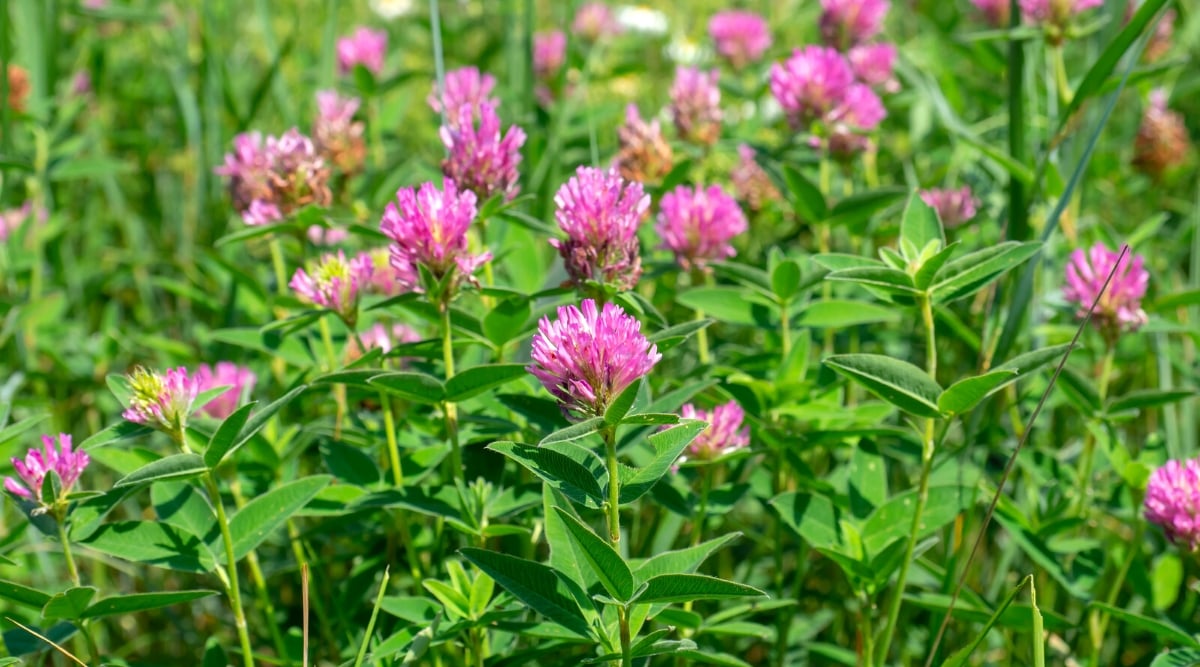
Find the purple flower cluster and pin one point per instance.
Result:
(751, 184)
(724, 435)
(594, 21)
(334, 283)
(1162, 141)
(68, 465)
(365, 47)
(1173, 501)
(1120, 307)
(600, 213)
(817, 87)
(338, 138)
(643, 154)
(847, 23)
(1055, 12)
(465, 86)
(480, 158)
(696, 105)
(588, 356)
(239, 379)
(954, 207)
(874, 65)
(161, 400)
(997, 13)
(549, 53)
(270, 180)
(428, 228)
(741, 37)
(697, 224)
(384, 278)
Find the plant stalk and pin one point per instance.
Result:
(235, 595)
(65, 541)
(450, 409)
(614, 484)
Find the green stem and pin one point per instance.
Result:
(700, 278)
(626, 644)
(614, 484)
(1060, 76)
(260, 589)
(235, 595)
(1089, 440)
(389, 427)
(65, 541)
(868, 633)
(362, 649)
(378, 153)
(448, 408)
(1098, 620)
(281, 280)
(339, 390)
(1039, 634)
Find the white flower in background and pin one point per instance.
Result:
(684, 51)
(391, 9)
(640, 18)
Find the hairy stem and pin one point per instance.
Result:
(450, 409)
(65, 541)
(614, 484)
(235, 595)
(339, 390)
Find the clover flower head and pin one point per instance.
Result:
(55, 455)
(1162, 139)
(365, 47)
(549, 53)
(465, 86)
(643, 154)
(1120, 307)
(846, 23)
(161, 400)
(326, 236)
(874, 65)
(953, 206)
(1173, 501)
(1055, 12)
(697, 224)
(741, 37)
(272, 178)
(696, 105)
(751, 184)
(239, 379)
(334, 283)
(600, 213)
(338, 138)
(385, 278)
(594, 21)
(428, 227)
(724, 435)
(812, 85)
(589, 355)
(995, 12)
(480, 158)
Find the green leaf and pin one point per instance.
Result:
(1104, 66)
(122, 430)
(153, 543)
(671, 336)
(1164, 630)
(176, 466)
(1187, 657)
(213, 456)
(960, 657)
(534, 584)
(725, 304)
(454, 601)
(807, 201)
(897, 382)
(841, 313)
(349, 464)
(226, 434)
(478, 379)
(785, 280)
(856, 210)
(559, 471)
(932, 265)
(575, 431)
(893, 519)
(263, 514)
(968, 392)
(24, 595)
(813, 517)
(506, 320)
(920, 223)
(681, 561)
(621, 405)
(608, 565)
(972, 272)
(125, 604)
(416, 387)
(887, 279)
(1148, 398)
(182, 506)
(668, 445)
(1030, 361)
(1166, 581)
(689, 587)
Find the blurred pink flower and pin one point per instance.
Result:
(1120, 308)
(995, 12)
(874, 65)
(337, 136)
(365, 47)
(1055, 15)
(696, 105)
(751, 183)
(588, 356)
(644, 155)
(15, 218)
(1173, 501)
(479, 158)
(270, 180)
(600, 213)
(724, 435)
(846, 23)
(385, 279)
(549, 53)
(326, 236)
(954, 207)
(161, 400)
(1162, 141)
(594, 21)
(428, 227)
(239, 379)
(81, 83)
(817, 84)
(465, 86)
(697, 225)
(741, 37)
(384, 338)
(68, 465)
(334, 283)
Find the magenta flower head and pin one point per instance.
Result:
(68, 465)
(365, 47)
(1055, 15)
(465, 86)
(588, 356)
(337, 136)
(334, 283)
(600, 213)
(383, 338)
(696, 105)
(594, 21)
(163, 401)
(1162, 141)
(549, 53)
(873, 64)
(479, 158)
(1120, 308)
(995, 12)
(644, 155)
(751, 184)
(239, 379)
(724, 435)
(428, 228)
(954, 207)
(271, 180)
(384, 278)
(1173, 501)
(697, 225)
(846, 23)
(326, 236)
(811, 85)
(741, 37)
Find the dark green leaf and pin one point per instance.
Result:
(968, 392)
(668, 445)
(812, 517)
(70, 604)
(176, 466)
(213, 456)
(558, 470)
(897, 382)
(972, 272)
(23, 595)
(478, 379)
(126, 604)
(532, 583)
(1148, 398)
(1164, 630)
(263, 514)
(610, 569)
(416, 387)
(153, 543)
(785, 280)
(887, 279)
(575, 431)
(226, 434)
(682, 561)
(841, 313)
(689, 587)
(856, 210)
(807, 201)
(920, 223)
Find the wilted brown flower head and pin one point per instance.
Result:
(18, 87)
(1162, 140)
(644, 154)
